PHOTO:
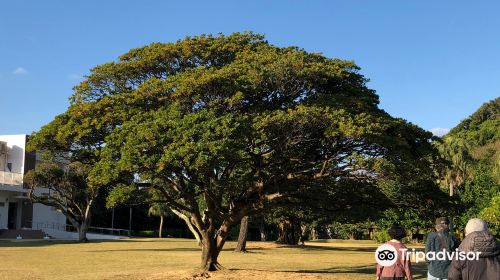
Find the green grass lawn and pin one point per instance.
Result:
(179, 259)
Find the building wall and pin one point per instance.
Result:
(19, 210)
(3, 210)
(43, 214)
(16, 155)
(16, 145)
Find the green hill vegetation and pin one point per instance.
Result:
(473, 151)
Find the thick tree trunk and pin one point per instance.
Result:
(242, 238)
(211, 237)
(211, 247)
(82, 231)
(289, 231)
(161, 226)
(82, 234)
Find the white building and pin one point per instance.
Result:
(16, 210)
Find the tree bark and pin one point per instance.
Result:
(196, 233)
(82, 231)
(84, 226)
(161, 226)
(210, 228)
(82, 234)
(211, 246)
(242, 238)
(289, 231)
(210, 240)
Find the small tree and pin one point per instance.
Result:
(68, 191)
(159, 210)
(64, 170)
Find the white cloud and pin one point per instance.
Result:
(440, 132)
(20, 71)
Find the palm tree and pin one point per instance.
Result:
(159, 210)
(456, 150)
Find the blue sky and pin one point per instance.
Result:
(431, 62)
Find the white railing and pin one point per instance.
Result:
(55, 226)
(9, 178)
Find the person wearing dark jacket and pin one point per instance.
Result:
(438, 241)
(477, 240)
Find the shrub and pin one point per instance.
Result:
(381, 236)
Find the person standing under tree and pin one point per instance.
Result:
(477, 240)
(402, 267)
(441, 240)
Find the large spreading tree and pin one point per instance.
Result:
(221, 126)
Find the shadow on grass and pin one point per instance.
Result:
(343, 270)
(147, 250)
(419, 271)
(367, 270)
(38, 243)
(331, 248)
(193, 249)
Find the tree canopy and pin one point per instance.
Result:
(221, 126)
(68, 190)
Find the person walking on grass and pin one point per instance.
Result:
(441, 240)
(402, 266)
(477, 240)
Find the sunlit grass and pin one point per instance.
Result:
(179, 259)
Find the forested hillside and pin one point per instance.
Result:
(473, 151)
